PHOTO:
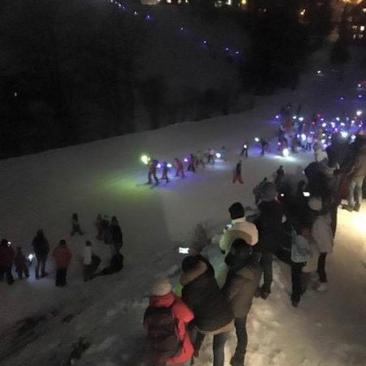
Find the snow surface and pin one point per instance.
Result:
(106, 177)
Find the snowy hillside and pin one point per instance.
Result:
(40, 323)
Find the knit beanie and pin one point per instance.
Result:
(161, 287)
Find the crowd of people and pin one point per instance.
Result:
(296, 224)
(108, 231)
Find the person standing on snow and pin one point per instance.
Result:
(62, 256)
(166, 320)
(179, 168)
(240, 287)
(264, 145)
(239, 228)
(212, 311)
(165, 171)
(116, 234)
(280, 174)
(211, 156)
(191, 163)
(75, 225)
(200, 159)
(237, 173)
(244, 151)
(21, 266)
(152, 172)
(322, 234)
(269, 224)
(99, 226)
(41, 249)
(6, 261)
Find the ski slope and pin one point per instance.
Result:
(43, 190)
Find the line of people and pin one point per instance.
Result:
(108, 231)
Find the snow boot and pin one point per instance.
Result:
(357, 207)
(348, 208)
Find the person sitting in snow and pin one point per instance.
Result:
(21, 265)
(75, 225)
(165, 171)
(152, 172)
(166, 321)
(90, 261)
(179, 168)
(237, 173)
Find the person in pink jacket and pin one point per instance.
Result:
(62, 255)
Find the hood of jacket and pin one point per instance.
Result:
(164, 301)
(189, 276)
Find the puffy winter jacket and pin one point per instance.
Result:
(240, 229)
(6, 256)
(240, 288)
(40, 245)
(270, 225)
(62, 255)
(183, 316)
(203, 296)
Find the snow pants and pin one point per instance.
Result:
(41, 264)
(6, 272)
(61, 277)
(321, 267)
(266, 262)
(355, 189)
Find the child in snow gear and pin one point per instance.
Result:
(41, 249)
(21, 266)
(75, 225)
(213, 314)
(62, 255)
(237, 173)
(165, 171)
(152, 172)
(240, 287)
(6, 261)
(165, 321)
(90, 261)
(244, 151)
(179, 168)
(191, 164)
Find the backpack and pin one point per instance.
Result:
(161, 332)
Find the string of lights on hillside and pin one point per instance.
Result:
(233, 54)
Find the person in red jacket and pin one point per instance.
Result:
(62, 255)
(6, 261)
(166, 321)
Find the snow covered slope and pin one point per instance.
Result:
(40, 323)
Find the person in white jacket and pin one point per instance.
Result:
(90, 261)
(322, 235)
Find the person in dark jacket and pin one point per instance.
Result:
(240, 287)
(6, 261)
(41, 249)
(269, 225)
(280, 174)
(165, 172)
(21, 266)
(116, 234)
(116, 265)
(213, 314)
(99, 227)
(75, 225)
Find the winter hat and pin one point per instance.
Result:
(236, 211)
(315, 204)
(161, 287)
(269, 192)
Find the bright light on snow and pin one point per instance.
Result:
(169, 165)
(359, 113)
(158, 166)
(256, 139)
(218, 155)
(285, 152)
(344, 134)
(30, 257)
(301, 119)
